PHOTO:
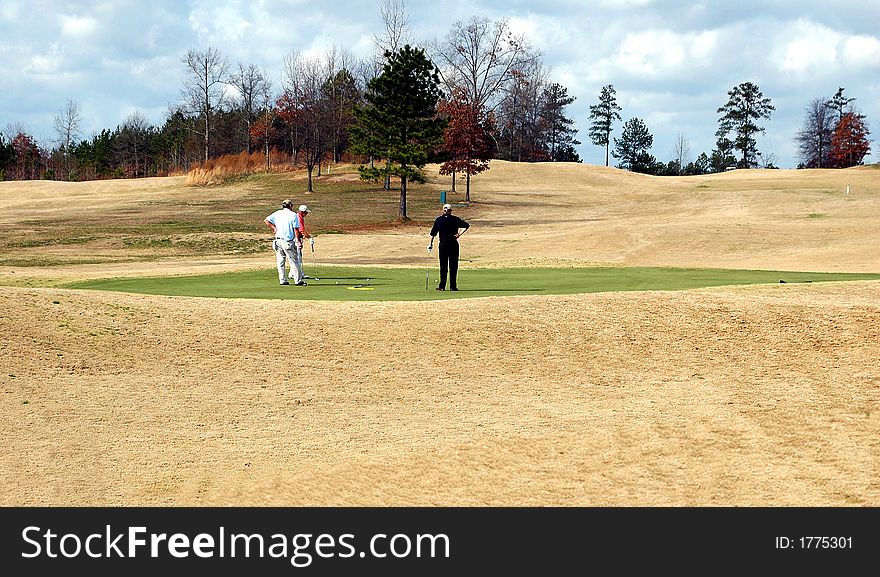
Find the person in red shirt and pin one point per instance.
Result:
(301, 235)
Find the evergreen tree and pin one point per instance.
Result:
(722, 157)
(699, 166)
(633, 145)
(745, 106)
(603, 116)
(7, 155)
(840, 103)
(559, 134)
(399, 121)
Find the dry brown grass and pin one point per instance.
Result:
(728, 396)
(221, 170)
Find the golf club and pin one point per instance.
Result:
(428, 270)
(314, 259)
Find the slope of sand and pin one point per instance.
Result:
(764, 395)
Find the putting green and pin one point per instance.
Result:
(399, 284)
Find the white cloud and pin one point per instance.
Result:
(524, 26)
(624, 4)
(549, 35)
(662, 53)
(45, 64)
(9, 10)
(808, 51)
(77, 28)
(861, 52)
(806, 48)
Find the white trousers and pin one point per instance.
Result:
(299, 261)
(284, 251)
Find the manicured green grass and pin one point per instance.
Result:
(400, 284)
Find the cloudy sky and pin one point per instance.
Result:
(671, 62)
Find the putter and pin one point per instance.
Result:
(314, 260)
(428, 270)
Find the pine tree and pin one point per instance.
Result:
(633, 145)
(559, 134)
(840, 103)
(746, 104)
(603, 116)
(399, 121)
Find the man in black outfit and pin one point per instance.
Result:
(447, 226)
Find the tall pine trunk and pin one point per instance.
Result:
(401, 211)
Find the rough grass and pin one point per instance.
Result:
(757, 395)
(222, 220)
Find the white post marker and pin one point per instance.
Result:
(847, 189)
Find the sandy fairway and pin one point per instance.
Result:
(763, 395)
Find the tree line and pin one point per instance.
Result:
(481, 92)
(834, 135)
(493, 98)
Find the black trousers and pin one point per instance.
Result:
(448, 263)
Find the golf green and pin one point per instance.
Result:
(399, 284)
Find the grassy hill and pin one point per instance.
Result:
(523, 214)
(757, 395)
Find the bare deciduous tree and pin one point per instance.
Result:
(519, 110)
(131, 144)
(396, 32)
(681, 152)
(307, 108)
(343, 93)
(203, 87)
(814, 137)
(269, 113)
(480, 57)
(396, 28)
(251, 83)
(67, 127)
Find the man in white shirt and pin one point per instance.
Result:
(284, 223)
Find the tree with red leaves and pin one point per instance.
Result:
(468, 138)
(288, 112)
(849, 143)
(27, 158)
(262, 129)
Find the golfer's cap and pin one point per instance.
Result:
(304, 208)
(447, 207)
(286, 203)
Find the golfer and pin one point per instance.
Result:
(450, 228)
(301, 235)
(284, 223)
